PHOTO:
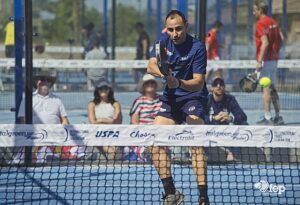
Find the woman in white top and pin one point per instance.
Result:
(104, 109)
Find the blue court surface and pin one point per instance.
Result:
(139, 184)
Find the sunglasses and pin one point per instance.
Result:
(218, 82)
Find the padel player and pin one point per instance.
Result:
(268, 40)
(183, 101)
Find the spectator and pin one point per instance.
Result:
(104, 109)
(9, 41)
(223, 109)
(268, 39)
(93, 37)
(144, 110)
(212, 48)
(142, 49)
(94, 76)
(47, 108)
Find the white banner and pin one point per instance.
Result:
(129, 135)
(134, 64)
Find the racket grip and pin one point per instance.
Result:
(257, 75)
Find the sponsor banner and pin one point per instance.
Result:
(136, 135)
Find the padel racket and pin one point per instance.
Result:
(161, 57)
(249, 83)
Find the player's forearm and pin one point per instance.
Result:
(65, 121)
(208, 46)
(153, 69)
(192, 85)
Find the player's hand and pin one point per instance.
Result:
(218, 117)
(225, 117)
(172, 82)
(258, 66)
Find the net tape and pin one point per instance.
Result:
(135, 64)
(136, 135)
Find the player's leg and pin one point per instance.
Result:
(199, 163)
(195, 111)
(268, 70)
(162, 164)
(160, 157)
(267, 102)
(278, 120)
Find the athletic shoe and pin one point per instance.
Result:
(173, 199)
(278, 120)
(203, 201)
(264, 121)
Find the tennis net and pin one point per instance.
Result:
(111, 164)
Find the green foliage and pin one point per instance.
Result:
(62, 27)
(56, 21)
(126, 17)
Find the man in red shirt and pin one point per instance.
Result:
(212, 48)
(268, 41)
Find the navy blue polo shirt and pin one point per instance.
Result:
(185, 60)
(227, 104)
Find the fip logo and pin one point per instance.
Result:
(108, 134)
(264, 187)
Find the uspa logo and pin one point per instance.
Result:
(108, 134)
(265, 186)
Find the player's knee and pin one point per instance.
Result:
(158, 151)
(193, 119)
(198, 150)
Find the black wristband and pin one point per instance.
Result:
(179, 83)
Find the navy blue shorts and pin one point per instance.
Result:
(178, 111)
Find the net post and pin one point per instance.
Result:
(19, 42)
(202, 20)
(113, 42)
(28, 76)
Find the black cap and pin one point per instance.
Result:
(218, 80)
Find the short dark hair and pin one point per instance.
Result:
(139, 25)
(89, 26)
(262, 5)
(172, 14)
(217, 24)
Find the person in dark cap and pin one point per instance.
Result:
(223, 109)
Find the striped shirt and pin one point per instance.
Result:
(146, 109)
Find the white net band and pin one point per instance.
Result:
(138, 135)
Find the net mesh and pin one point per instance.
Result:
(262, 170)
